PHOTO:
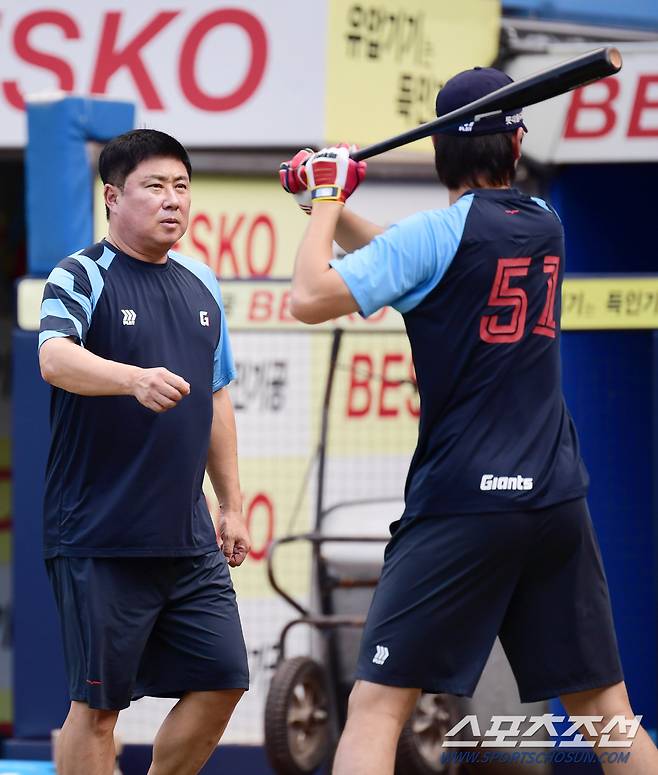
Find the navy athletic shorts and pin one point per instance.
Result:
(449, 585)
(147, 626)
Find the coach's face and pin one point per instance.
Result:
(151, 210)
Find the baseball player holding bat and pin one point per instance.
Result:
(496, 537)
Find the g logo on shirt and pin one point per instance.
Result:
(203, 318)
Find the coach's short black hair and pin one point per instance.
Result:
(125, 152)
(483, 160)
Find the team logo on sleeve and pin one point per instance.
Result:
(129, 317)
(203, 318)
(381, 655)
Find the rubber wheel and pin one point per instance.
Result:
(421, 741)
(297, 729)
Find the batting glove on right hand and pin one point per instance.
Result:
(292, 174)
(332, 175)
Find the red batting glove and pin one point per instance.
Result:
(332, 175)
(292, 174)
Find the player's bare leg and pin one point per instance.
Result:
(375, 717)
(85, 745)
(608, 702)
(191, 731)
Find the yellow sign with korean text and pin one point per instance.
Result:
(588, 304)
(386, 60)
(609, 303)
(243, 228)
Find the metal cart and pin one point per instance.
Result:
(307, 699)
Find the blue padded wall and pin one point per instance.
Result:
(608, 212)
(59, 179)
(40, 692)
(59, 183)
(611, 391)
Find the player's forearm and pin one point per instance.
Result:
(66, 365)
(354, 232)
(312, 299)
(316, 248)
(223, 454)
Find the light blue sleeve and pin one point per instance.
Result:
(223, 365)
(70, 297)
(402, 265)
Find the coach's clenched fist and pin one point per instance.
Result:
(159, 389)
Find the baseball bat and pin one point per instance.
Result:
(541, 86)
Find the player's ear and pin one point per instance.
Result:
(517, 139)
(110, 195)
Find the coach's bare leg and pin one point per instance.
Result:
(85, 744)
(612, 701)
(191, 731)
(375, 717)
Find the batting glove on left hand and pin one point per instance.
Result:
(292, 174)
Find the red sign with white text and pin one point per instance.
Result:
(615, 119)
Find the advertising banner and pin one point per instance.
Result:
(608, 303)
(213, 74)
(249, 228)
(387, 60)
(242, 228)
(247, 73)
(613, 120)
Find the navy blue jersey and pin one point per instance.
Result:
(479, 287)
(122, 480)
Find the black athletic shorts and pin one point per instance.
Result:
(451, 584)
(144, 626)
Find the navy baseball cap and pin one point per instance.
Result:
(468, 86)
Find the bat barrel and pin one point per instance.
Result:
(561, 78)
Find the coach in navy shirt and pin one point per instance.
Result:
(134, 342)
(495, 538)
